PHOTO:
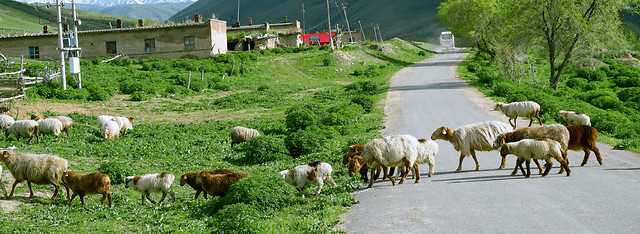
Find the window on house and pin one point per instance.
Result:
(111, 47)
(189, 43)
(149, 45)
(34, 52)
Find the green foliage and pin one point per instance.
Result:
(366, 102)
(265, 193)
(117, 171)
(310, 140)
(576, 82)
(139, 96)
(370, 71)
(606, 102)
(265, 149)
(300, 118)
(328, 61)
(591, 75)
(98, 94)
(365, 87)
(629, 94)
(625, 81)
(473, 67)
(487, 75)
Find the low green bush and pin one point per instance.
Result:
(310, 140)
(300, 119)
(139, 96)
(265, 148)
(367, 103)
(117, 171)
(590, 74)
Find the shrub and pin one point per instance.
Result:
(364, 87)
(606, 102)
(264, 192)
(625, 81)
(343, 114)
(576, 82)
(366, 102)
(590, 74)
(117, 171)
(629, 94)
(503, 89)
(328, 61)
(265, 148)
(139, 96)
(98, 94)
(299, 119)
(310, 140)
(487, 75)
(627, 144)
(473, 67)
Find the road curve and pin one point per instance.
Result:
(427, 95)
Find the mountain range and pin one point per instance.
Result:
(109, 2)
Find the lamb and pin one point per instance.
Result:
(190, 179)
(23, 128)
(110, 130)
(390, 151)
(125, 124)
(303, 175)
(35, 168)
(555, 132)
(218, 184)
(4, 191)
(66, 123)
(6, 121)
(102, 119)
(37, 116)
(152, 183)
(575, 118)
(520, 109)
(427, 150)
(51, 126)
(584, 137)
(527, 149)
(82, 184)
(469, 138)
(241, 134)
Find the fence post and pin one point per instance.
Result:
(189, 80)
(202, 75)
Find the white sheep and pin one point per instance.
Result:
(527, 149)
(302, 175)
(23, 128)
(152, 183)
(125, 124)
(241, 134)
(102, 119)
(110, 130)
(4, 191)
(574, 118)
(390, 151)
(66, 123)
(5, 121)
(427, 150)
(469, 138)
(35, 168)
(51, 126)
(520, 109)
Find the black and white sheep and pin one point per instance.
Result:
(527, 149)
(21, 128)
(469, 138)
(241, 134)
(35, 168)
(83, 184)
(315, 172)
(519, 109)
(152, 183)
(574, 118)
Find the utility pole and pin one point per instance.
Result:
(238, 16)
(379, 33)
(364, 38)
(373, 29)
(304, 28)
(329, 23)
(344, 9)
(76, 22)
(63, 75)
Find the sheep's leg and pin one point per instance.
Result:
(147, 195)
(530, 121)
(319, 187)
(565, 165)
(520, 160)
(586, 156)
(512, 124)
(416, 172)
(539, 120)
(330, 179)
(14, 187)
(392, 171)
(104, 198)
(460, 164)
(515, 169)
(4, 191)
(539, 167)
(384, 169)
(55, 193)
(597, 152)
(109, 197)
(73, 197)
(67, 132)
(503, 163)
(408, 168)
(377, 174)
(371, 180)
(82, 200)
(528, 169)
(547, 167)
(432, 165)
(566, 159)
(173, 196)
(473, 154)
(198, 193)
(30, 191)
(164, 195)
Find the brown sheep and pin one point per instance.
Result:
(37, 116)
(82, 184)
(584, 137)
(190, 179)
(218, 185)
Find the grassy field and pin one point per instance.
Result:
(309, 105)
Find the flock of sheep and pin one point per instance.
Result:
(379, 155)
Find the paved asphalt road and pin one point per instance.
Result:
(427, 95)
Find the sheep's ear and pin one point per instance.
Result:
(444, 130)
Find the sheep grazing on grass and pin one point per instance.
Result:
(218, 184)
(35, 168)
(241, 134)
(110, 130)
(315, 172)
(555, 132)
(469, 138)
(356, 150)
(66, 123)
(390, 151)
(125, 124)
(23, 128)
(574, 118)
(152, 183)
(4, 191)
(50, 126)
(37, 116)
(82, 184)
(527, 149)
(190, 179)
(102, 119)
(520, 109)
(5, 121)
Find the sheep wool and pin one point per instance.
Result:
(4, 191)
(584, 137)
(315, 172)
(218, 184)
(125, 124)
(520, 109)
(50, 126)
(241, 134)
(190, 179)
(24, 128)
(5, 121)
(527, 149)
(152, 183)
(102, 119)
(35, 168)
(110, 130)
(574, 118)
(66, 123)
(82, 184)
(427, 150)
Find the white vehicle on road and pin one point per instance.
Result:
(447, 40)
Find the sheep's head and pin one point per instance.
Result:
(183, 179)
(562, 113)
(66, 176)
(130, 181)
(504, 151)
(5, 155)
(443, 133)
(355, 164)
(498, 106)
(499, 141)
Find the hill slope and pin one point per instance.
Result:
(158, 12)
(409, 19)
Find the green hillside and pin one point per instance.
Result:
(157, 12)
(16, 15)
(410, 19)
